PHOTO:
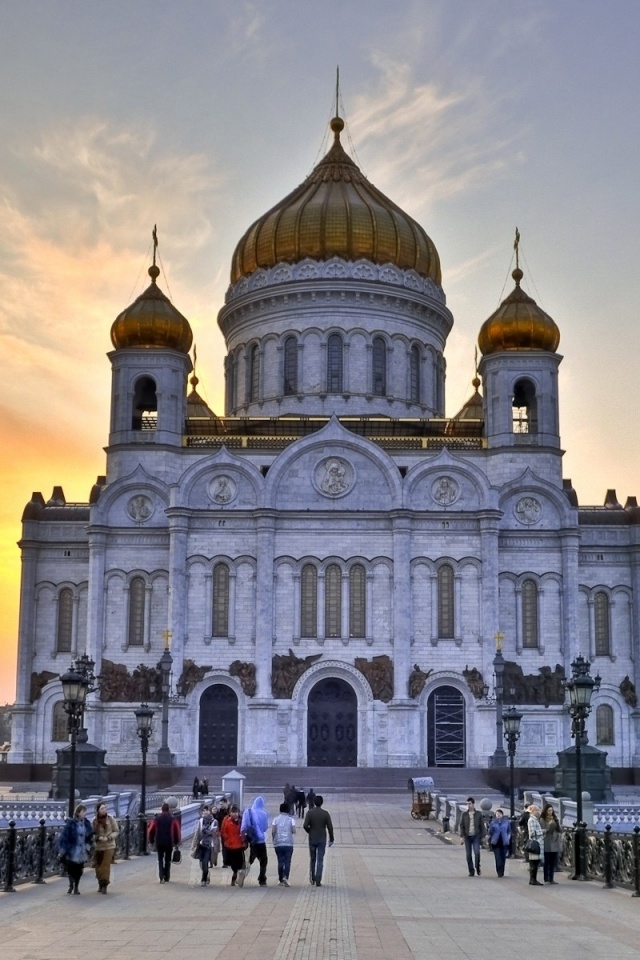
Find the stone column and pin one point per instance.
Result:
(23, 714)
(177, 619)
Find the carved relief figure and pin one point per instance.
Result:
(191, 675)
(39, 682)
(334, 480)
(140, 508)
(222, 489)
(286, 670)
(543, 688)
(246, 674)
(379, 673)
(417, 680)
(445, 491)
(528, 510)
(475, 681)
(117, 684)
(628, 691)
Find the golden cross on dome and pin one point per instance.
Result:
(154, 234)
(337, 91)
(166, 636)
(516, 247)
(499, 638)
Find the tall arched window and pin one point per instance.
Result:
(230, 385)
(334, 364)
(357, 601)
(144, 414)
(290, 385)
(333, 601)
(253, 374)
(529, 614)
(137, 591)
(379, 367)
(602, 624)
(309, 601)
(414, 375)
(524, 407)
(446, 624)
(220, 618)
(59, 723)
(65, 621)
(604, 724)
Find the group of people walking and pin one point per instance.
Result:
(83, 841)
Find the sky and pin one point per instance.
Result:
(476, 116)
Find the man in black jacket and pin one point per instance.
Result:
(317, 824)
(471, 832)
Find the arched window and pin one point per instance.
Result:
(524, 407)
(602, 624)
(529, 614)
(144, 414)
(59, 723)
(231, 389)
(253, 374)
(334, 364)
(604, 725)
(65, 621)
(446, 625)
(290, 385)
(414, 375)
(220, 618)
(357, 601)
(137, 590)
(333, 601)
(379, 367)
(309, 601)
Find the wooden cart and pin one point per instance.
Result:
(420, 797)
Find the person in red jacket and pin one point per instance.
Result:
(164, 830)
(234, 844)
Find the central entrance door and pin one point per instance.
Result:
(445, 724)
(218, 726)
(332, 725)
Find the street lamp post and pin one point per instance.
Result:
(512, 719)
(166, 663)
(74, 691)
(499, 758)
(144, 716)
(580, 687)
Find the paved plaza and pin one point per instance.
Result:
(392, 890)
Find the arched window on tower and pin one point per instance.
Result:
(602, 624)
(530, 638)
(357, 601)
(524, 407)
(309, 601)
(446, 623)
(145, 405)
(137, 591)
(253, 374)
(230, 384)
(379, 368)
(59, 723)
(220, 618)
(65, 621)
(414, 374)
(604, 725)
(290, 386)
(333, 601)
(335, 377)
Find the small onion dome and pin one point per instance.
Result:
(336, 212)
(197, 409)
(152, 321)
(518, 324)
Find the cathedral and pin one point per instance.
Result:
(331, 564)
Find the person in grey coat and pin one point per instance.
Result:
(552, 842)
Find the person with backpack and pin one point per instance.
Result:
(164, 830)
(202, 844)
(255, 823)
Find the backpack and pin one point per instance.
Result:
(251, 833)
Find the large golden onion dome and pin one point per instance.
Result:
(518, 324)
(336, 212)
(152, 321)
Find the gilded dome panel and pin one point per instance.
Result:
(518, 324)
(152, 321)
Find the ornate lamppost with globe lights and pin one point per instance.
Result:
(512, 719)
(144, 718)
(74, 690)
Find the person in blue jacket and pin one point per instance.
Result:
(75, 845)
(500, 840)
(255, 823)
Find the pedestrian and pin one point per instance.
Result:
(471, 833)
(311, 796)
(291, 799)
(282, 831)
(164, 831)
(196, 788)
(234, 844)
(301, 802)
(523, 825)
(317, 824)
(205, 787)
(535, 844)
(552, 840)
(75, 845)
(500, 840)
(105, 830)
(219, 814)
(255, 823)
(202, 843)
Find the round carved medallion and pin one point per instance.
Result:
(528, 510)
(334, 477)
(222, 489)
(140, 508)
(445, 491)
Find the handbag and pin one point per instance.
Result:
(533, 847)
(176, 856)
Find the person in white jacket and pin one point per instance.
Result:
(282, 831)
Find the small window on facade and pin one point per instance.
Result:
(379, 363)
(446, 625)
(65, 621)
(524, 407)
(309, 601)
(604, 724)
(290, 366)
(414, 375)
(357, 601)
(59, 723)
(529, 614)
(334, 364)
(137, 590)
(602, 624)
(145, 405)
(333, 601)
(220, 619)
(254, 374)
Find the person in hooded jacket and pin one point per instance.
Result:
(75, 845)
(500, 840)
(255, 824)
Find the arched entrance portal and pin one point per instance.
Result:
(218, 726)
(332, 725)
(446, 730)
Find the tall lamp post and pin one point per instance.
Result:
(74, 692)
(512, 719)
(580, 687)
(166, 663)
(499, 758)
(144, 717)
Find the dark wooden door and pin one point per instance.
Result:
(218, 726)
(446, 729)
(332, 725)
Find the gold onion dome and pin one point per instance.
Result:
(518, 324)
(152, 321)
(336, 212)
